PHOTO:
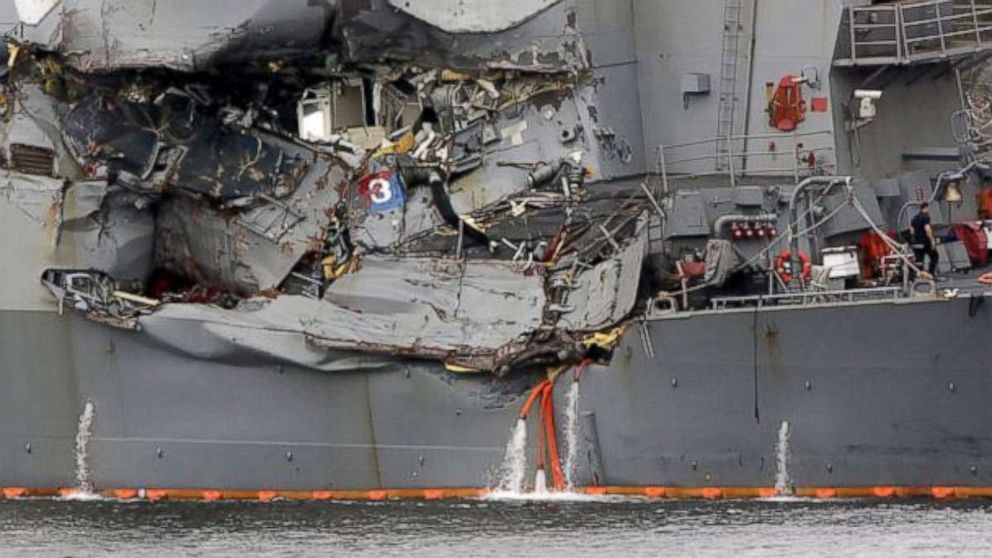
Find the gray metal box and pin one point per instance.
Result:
(953, 257)
(749, 196)
(688, 216)
(888, 188)
(696, 83)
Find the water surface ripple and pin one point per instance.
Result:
(496, 528)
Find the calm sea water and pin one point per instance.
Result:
(485, 528)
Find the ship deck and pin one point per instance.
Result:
(966, 281)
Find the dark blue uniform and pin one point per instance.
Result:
(922, 247)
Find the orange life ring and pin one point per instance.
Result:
(783, 265)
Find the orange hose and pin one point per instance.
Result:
(546, 435)
(548, 412)
(541, 433)
(538, 390)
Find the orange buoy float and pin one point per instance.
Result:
(712, 493)
(942, 492)
(654, 492)
(155, 494)
(267, 495)
(767, 492)
(825, 493)
(377, 495)
(884, 491)
(124, 493)
(433, 494)
(14, 492)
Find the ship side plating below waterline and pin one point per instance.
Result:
(355, 245)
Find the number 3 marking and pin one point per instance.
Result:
(380, 191)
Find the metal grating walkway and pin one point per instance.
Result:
(914, 32)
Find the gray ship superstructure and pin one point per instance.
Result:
(357, 248)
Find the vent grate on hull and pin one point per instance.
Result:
(31, 159)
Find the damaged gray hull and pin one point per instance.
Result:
(549, 113)
(876, 394)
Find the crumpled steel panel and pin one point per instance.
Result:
(473, 16)
(605, 295)
(547, 43)
(235, 253)
(190, 35)
(470, 237)
(101, 35)
(422, 307)
(527, 132)
(210, 158)
(105, 231)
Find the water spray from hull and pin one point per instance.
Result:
(514, 467)
(512, 473)
(783, 453)
(571, 434)
(540, 482)
(84, 487)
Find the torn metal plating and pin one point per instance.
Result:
(338, 208)
(192, 36)
(98, 295)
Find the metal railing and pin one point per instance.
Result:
(809, 298)
(914, 32)
(695, 159)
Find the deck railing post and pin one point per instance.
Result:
(902, 46)
(664, 168)
(797, 159)
(940, 27)
(730, 158)
(854, 46)
(974, 20)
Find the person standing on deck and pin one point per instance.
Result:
(924, 241)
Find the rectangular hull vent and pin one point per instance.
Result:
(31, 159)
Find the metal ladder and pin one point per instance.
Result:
(729, 62)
